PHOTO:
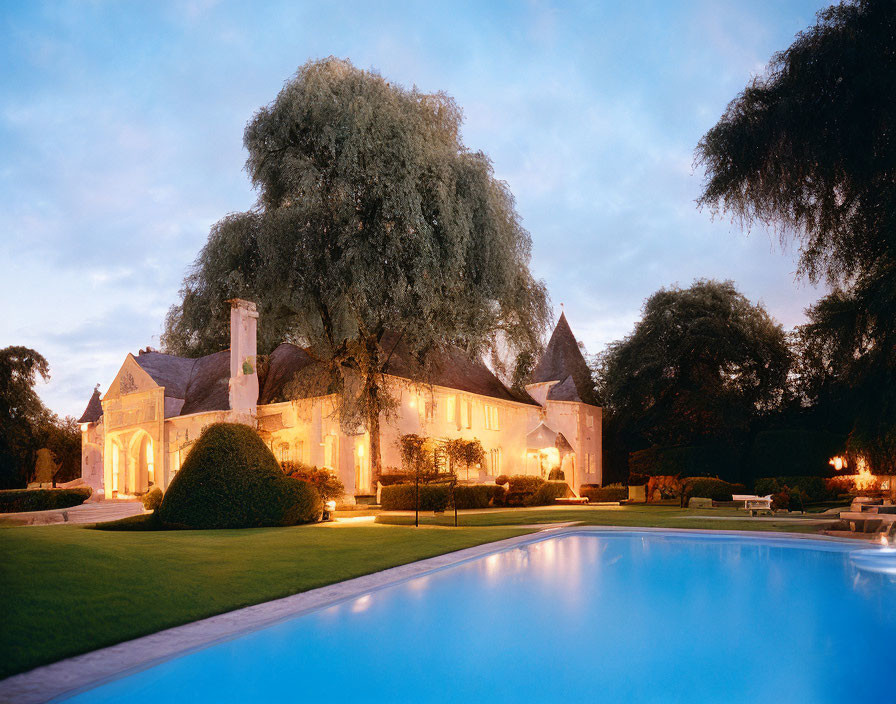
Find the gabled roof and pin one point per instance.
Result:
(94, 410)
(449, 367)
(563, 362)
(203, 383)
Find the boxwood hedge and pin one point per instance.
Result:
(18, 500)
(231, 479)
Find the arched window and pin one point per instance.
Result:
(150, 463)
(283, 452)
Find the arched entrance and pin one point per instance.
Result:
(141, 461)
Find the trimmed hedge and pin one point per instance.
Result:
(231, 479)
(596, 492)
(812, 489)
(476, 495)
(711, 488)
(547, 492)
(18, 500)
(400, 497)
(524, 482)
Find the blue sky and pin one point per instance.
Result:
(121, 143)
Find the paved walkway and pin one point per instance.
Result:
(85, 513)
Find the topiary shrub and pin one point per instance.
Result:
(231, 479)
(17, 500)
(556, 474)
(502, 479)
(547, 492)
(152, 499)
(598, 493)
(400, 497)
(476, 495)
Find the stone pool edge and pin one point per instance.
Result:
(81, 672)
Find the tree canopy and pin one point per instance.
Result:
(372, 216)
(808, 147)
(26, 424)
(699, 365)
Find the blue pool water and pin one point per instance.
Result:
(596, 617)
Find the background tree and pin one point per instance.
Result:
(372, 218)
(808, 148)
(700, 365)
(22, 413)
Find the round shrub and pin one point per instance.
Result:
(556, 474)
(231, 479)
(502, 479)
(152, 499)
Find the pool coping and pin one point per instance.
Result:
(82, 672)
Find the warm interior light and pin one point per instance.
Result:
(360, 450)
(837, 462)
(864, 478)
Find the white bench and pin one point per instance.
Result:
(754, 503)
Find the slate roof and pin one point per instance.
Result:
(94, 410)
(203, 383)
(563, 362)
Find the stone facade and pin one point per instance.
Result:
(139, 433)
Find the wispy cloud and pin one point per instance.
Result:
(121, 127)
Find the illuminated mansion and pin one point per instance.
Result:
(140, 431)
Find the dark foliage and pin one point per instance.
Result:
(700, 365)
(17, 500)
(596, 493)
(231, 479)
(152, 499)
(545, 494)
(809, 146)
(711, 488)
(476, 495)
(401, 497)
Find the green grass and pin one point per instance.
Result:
(633, 516)
(68, 590)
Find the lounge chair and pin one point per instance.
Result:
(754, 504)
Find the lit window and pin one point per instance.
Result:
(450, 408)
(495, 461)
(300, 450)
(330, 452)
(114, 468)
(491, 418)
(466, 414)
(150, 465)
(284, 452)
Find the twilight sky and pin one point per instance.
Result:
(121, 143)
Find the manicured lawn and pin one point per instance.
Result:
(68, 590)
(647, 516)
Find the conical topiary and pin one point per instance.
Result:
(231, 479)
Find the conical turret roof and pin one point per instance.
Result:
(563, 362)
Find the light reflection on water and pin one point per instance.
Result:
(609, 617)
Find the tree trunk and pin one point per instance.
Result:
(372, 392)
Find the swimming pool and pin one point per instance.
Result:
(590, 616)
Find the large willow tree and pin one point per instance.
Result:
(810, 149)
(372, 218)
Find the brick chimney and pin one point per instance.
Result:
(243, 363)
